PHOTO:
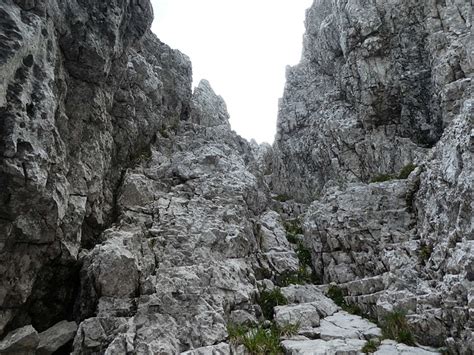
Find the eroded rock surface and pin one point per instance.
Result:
(384, 92)
(128, 205)
(84, 87)
(378, 83)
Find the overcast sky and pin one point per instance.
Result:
(242, 47)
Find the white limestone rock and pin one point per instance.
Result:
(305, 315)
(343, 325)
(313, 295)
(322, 347)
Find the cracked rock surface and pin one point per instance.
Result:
(133, 220)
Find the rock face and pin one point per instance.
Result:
(378, 83)
(383, 87)
(134, 216)
(84, 87)
(181, 258)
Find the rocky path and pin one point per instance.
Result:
(329, 329)
(324, 329)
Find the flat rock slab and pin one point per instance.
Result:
(20, 341)
(344, 325)
(56, 336)
(391, 347)
(323, 347)
(304, 314)
(219, 349)
(310, 294)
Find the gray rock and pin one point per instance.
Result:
(208, 109)
(58, 335)
(112, 165)
(71, 125)
(20, 341)
(313, 295)
(241, 317)
(322, 347)
(219, 349)
(376, 85)
(305, 315)
(182, 256)
(391, 347)
(343, 325)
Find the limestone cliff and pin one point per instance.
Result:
(134, 220)
(384, 87)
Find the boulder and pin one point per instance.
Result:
(20, 341)
(56, 336)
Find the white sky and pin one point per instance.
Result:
(242, 47)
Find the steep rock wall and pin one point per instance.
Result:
(381, 85)
(84, 87)
(130, 207)
(378, 83)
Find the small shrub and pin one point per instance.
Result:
(261, 340)
(141, 156)
(293, 229)
(288, 330)
(270, 299)
(424, 252)
(282, 198)
(300, 277)
(353, 309)
(395, 326)
(236, 333)
(406, 171)
(335, 293)
(304, 255)
(382, 178)
(370, 347)
(293, 239)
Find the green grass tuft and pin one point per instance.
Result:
(293, 229)
(370, 347)
(236, 332)
(424, 252)
(335, 293)
(304, 255)
(164, 132)
(261, 340)
(404, 173)
(395, 326)
(300, 277)
(270, 299)
(288, 330)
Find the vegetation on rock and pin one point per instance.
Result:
(293, 229)
(395, 326)
(270, 299)
(370, 347)
(424, 252)
(403, 174)
(261, 339)
(406, 171)
(337, 295)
